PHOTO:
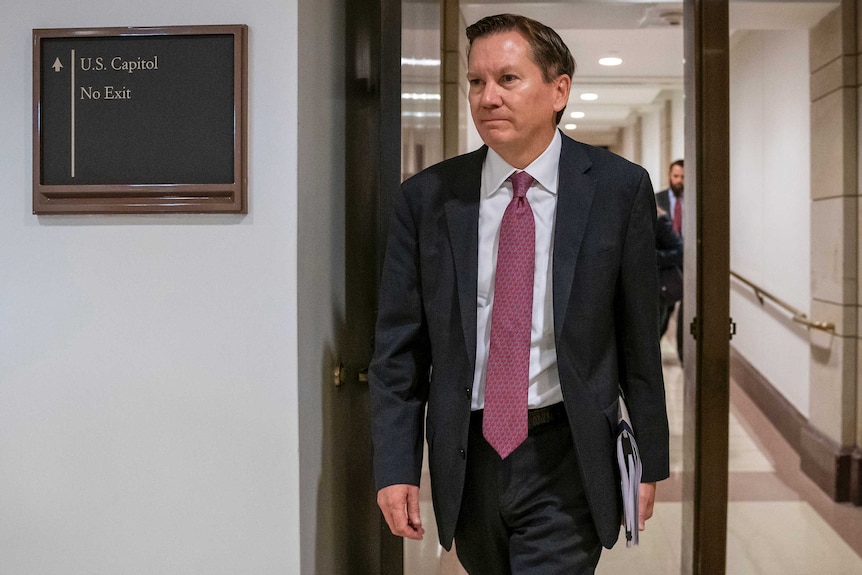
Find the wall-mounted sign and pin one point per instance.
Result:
(139, 120)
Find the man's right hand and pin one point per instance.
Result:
(400, 507)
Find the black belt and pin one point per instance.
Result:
(535, 417)
(544, 415)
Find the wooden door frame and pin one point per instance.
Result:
(707, 283)
(707, 287)
(372, 167)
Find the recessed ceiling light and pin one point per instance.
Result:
(577, 115)
(420, 96)
(589, 96)
(420, 114)
(611, 61)
(571, 126)
(427, 62)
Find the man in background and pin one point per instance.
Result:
(671, 202)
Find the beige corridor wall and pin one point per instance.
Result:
(771, 203)
(148, 364)
(651, 145)
(677, 125)
(321, 282)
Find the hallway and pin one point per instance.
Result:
(779, 522)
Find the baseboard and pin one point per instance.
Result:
(856, 477)
(780, 412)
(826, 463)
(837, 470)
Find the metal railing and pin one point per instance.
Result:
(798, 316)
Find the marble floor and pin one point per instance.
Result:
(779, 522)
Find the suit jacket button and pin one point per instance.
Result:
(463, 453)
(468, 392)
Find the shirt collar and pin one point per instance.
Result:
(545, 169)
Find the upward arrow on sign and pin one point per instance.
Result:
(57, 65)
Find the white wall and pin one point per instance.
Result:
(148, 364)
(651, 145)
(677, 118)
(771, 202)
(628, 147)
(320, 276)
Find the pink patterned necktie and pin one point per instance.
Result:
(677, 216)
(504, 423)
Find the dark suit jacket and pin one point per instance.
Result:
(665, 252)
(605, 325)
(662, 200)
(668, 247)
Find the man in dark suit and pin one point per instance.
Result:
(670, 201)
(518, 298)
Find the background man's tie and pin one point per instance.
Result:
(677, 217)
(504, 422)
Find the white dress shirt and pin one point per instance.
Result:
(672, 205)
(495, 195)
(672, 199)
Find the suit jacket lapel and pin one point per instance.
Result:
(574, 198)
(462, 218)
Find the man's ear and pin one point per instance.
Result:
(562, 86)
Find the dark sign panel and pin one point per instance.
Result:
(135, 120)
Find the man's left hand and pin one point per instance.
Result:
(646, 500)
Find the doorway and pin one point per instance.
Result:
(652, 132)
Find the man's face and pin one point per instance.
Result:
(677, 180)
(513, 108)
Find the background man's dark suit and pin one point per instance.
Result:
(605, 324)
(662, 200)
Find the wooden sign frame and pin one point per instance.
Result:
(219, 186)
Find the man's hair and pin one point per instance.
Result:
(547, 49)
(679, 163)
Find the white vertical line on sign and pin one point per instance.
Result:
(72, 147)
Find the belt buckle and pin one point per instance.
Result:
(537, 417)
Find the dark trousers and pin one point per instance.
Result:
(666, 312)
(526, 514)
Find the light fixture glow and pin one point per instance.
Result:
(611, 61)
(419, 62)
(577, 115)
(411, 96)
(420, 114)
(589, 96)
(571, 126)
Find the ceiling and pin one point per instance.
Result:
(648, 36)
